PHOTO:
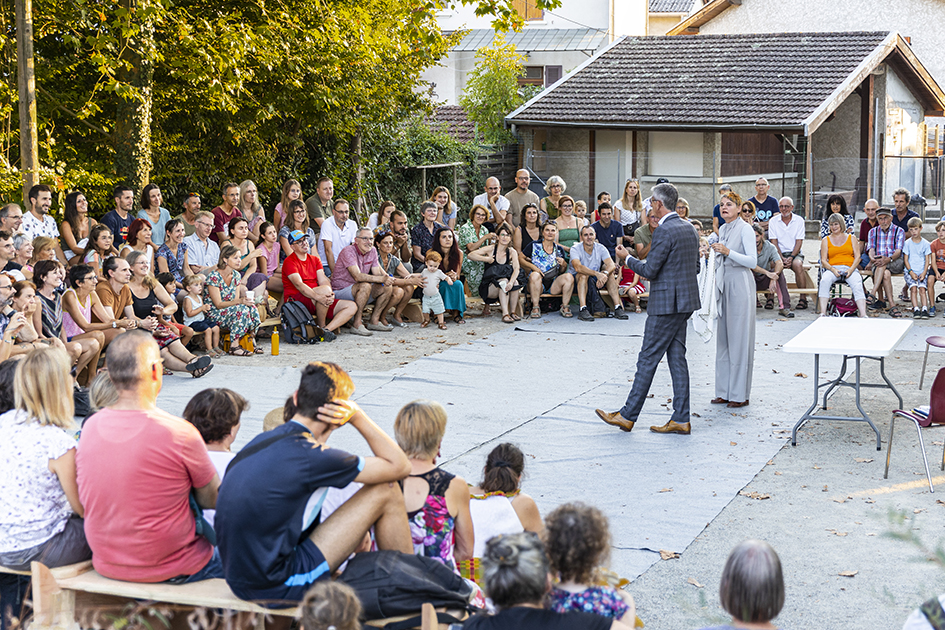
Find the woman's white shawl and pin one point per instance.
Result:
(710, 292)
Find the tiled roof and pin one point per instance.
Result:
(538, 39)
(705, 80)
(670, 6)
(453, 120)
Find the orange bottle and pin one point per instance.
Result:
(274, 341)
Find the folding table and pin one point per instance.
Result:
(852, 338)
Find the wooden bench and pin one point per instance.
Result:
(59, 594)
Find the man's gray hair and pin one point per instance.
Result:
(5, 210)
(123, 358)
(365, 229)
(903, 191)
(788, 198)
(752, 586)
(725, 187)
(20, 239)
(667, 195)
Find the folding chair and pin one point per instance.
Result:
(936, 416)
(938, 342)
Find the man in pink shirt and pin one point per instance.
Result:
(359, 277)
(136, 468)
(225, 212)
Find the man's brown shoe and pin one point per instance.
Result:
(672, 427)
(614, 418)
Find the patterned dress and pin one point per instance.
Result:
(431, 527)
(239, 319)
(472, 269)
(175, 262)
(600, 600)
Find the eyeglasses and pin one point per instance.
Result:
(204, 224)
(298, 212)
(748, 212)
(785, 206)
(364, 238)
(6, 287)
(87, 278)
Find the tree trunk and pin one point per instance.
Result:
(133, 118)
(29, 153)
(358, 176)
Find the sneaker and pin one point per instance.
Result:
(784, 312)
(932, 311)
(925, 313)
(916, 314)
(328, 335)
(620, 314)
(361, 331)
(585, 315)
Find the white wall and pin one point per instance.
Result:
(571, 14)
(904, 116)
(676, 153)
(629, 18)
(611, 162)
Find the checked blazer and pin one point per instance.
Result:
(671, 266)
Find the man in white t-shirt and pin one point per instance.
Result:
(38, 222)
(337, 233)
(493, 200)
(786, 232)
(593, 270)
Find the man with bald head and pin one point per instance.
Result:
(870, 208)
(520, 196)
(136, 468)
(786, 232)
(766, 208)
(492, 199)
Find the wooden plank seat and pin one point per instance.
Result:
(58, 594)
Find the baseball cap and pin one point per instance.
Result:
(884, 211)
(662, 180)
(295, 236)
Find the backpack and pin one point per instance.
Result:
(391, 583)
(297, 324)
(841, 307)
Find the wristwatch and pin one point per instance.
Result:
(114, 324)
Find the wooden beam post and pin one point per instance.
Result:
(26, 81)
(867, 125)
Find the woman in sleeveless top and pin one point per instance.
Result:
(78, 305)
(437, 501)
(171, 256)
(838, 253)
(250, 256)
(502, 276)
(76, 224)
(569, 230)
(472, 235)
(526, 234)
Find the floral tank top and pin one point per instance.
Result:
(431, 527)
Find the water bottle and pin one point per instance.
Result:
(274, 340)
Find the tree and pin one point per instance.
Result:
(492, 90)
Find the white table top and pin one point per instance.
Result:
(850, 336)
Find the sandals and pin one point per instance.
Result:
(565, 311)
(535, 314)
(425, 324)
(240, 352)
(516, 317)
(508, 319)
(769, 303)
(197, 363)
(441, 326)
(459, 319)
(801, 305)
(639, 310)
(895, 312)
(202, 371)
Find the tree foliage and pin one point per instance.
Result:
(492, 89)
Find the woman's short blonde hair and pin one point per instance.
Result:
(837, 218)
(42, 387)
(419, 428)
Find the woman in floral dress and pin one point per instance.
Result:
(229, 306)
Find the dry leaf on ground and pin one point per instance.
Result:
(694, 582)
(801, 375)
(666, 490)
(863, 460)
(668, 555)
(755, 495)
(847, 573)
(734, 443)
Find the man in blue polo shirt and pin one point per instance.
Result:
(766, 207)
(273, 542)
(609, 232)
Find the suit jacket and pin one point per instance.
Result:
(671, 266)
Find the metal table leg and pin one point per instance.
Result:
(882, 372)
(807, 415)
(860, 407)
(836, 382)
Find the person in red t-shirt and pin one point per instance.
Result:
(226, 212)
(304, 280)
(136, 467)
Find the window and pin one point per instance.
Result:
(534, 75)
(552, 75)
(528, 10)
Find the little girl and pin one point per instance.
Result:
(631, 287)
(432, 300)
(577, 540)
(194, 316)
(170, 285)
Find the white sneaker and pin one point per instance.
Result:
(360, 330)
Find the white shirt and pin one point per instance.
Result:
(33, 227)
(339, 237)
(786, 235)
(501, 203)
(200, 253)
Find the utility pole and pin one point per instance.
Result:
(26, 80)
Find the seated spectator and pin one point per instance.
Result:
(516, 578)
(203, 253)
(304, 281)
(577, 541)
(132, 445)
(404, 282)
(498, 506)
(152, 212)
(98, 249)
(902, 213)
(628, 210)
(937, 269)
(551, 271)
(398, 229)
(752, 586)
(11, 322)
(836, 204)
(580, 211)
(251, 210)
(382, 216)
(44, 248)
(330, 606)
(102, 392)
(786, 232)
(528, 232)
(195, 314)
(297, 219)
(150, 303)
(291, 190)
(139, 240)
(471, 236)
(270, 263)
(748, 213)
(769, 274)
(631, 287)
(337, 233)
(216, 413)
(24, 251)
(185, 332)
(589, 260)
(230, 306)
(437, 501)
(359, 278)
(446, 208)
(29, 337)
(643, 236)
(41, 514)
(884, 245)
(7, 254)
(502, 277)
(191, 206)
(451, 263)
(226, 212)
(548, 206)
(682, 209)
(114, 294)
(609, 232)
(870, 208)
(171, 256)
(272, 554)
(79, 303)
(421, 236)
(917, 254)
(569, 232)
(839, 252)
(251, 277)
(38, 221)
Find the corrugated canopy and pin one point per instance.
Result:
(670, 6)
(538, 39)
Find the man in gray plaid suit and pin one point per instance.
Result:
(671, 266)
